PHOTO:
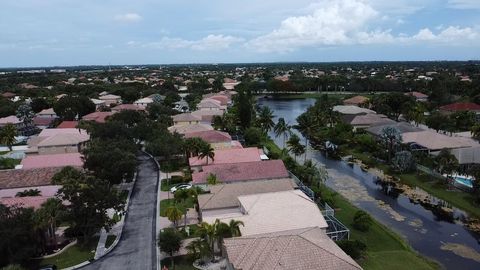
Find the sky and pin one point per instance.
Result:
(121, 32)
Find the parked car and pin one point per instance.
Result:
(180, 186)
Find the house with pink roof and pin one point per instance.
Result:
(228, 156)
(58, 141)
(99, 117)
(55, 160)
(245, 171)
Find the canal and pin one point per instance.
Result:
(429, 231)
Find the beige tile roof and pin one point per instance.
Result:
(275, 212)
(226, 195)
(303, 249)
(184, 129)
(436, 141)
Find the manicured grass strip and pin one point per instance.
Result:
(73, 255)
(183, 206)
(110, 240)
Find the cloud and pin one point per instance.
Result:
(128, 17)
(464, 4)
(210, 42)
(337, 23)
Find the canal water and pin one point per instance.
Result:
(429, 231)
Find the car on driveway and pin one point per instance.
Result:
(180, 186)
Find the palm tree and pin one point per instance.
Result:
(174, 214)
(7, 135)
(265, 119)
(282, 128)
(314, 174)
(206, 151)
(181, 196)
(208, 233)
(446, 161)
(222, 231)
(50, 211)
(306, 125)
(234, 226)
(295, 146)
(198, 249)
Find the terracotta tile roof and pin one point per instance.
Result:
(246, 171)
(185, 129)
(68, 124)
(27, 178)
(226, 156)
(43, 121)
(207, 115)
(461, 106)
(356, 100)
(186, 117)
(25, 202)
(226, 195)
(56, 160)
(416, 94)
(210, 136)
(305, 249)
(99, 117)
(223, 99)
(128, 107)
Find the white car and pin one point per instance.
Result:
(180, 186)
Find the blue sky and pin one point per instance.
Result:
(64, 32)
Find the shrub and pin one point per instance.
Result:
(362, 221)
(404, 161)
(354, 248)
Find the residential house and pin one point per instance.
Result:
(217, 139)
(99, 117)
(55, 160)
(356, 101)
(362, 121)
(351, 110)
(186, 119)
(27, 177)
(432, 141)
(47, 113)
(461, 107)
(418, 96)
(43, 122)
(111, 99)
(68, 124)
(127, 107)
(143, 102)
(207, 116)
(228, 156)
(273, 212)
(192, 128)
(210, 104)
(58, 141)
(22, 128)
(306, 249)
(402, 127)
(239, 172)
(223, 198)
(98, 103)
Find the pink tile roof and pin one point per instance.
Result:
(227, 156)
(223, 99)
(48, 191)
(54, 131)
(128, 107)
(210, 136)
(25, 202)
(68, 124)
(12, 119)
(245, 171)
(416, 94)
(27, 178)
(43, 121)
(56, 160)
(99, 117)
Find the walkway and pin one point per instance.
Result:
(137, 246)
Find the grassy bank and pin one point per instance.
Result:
(385, 249)
(430, 184)
(74, 255)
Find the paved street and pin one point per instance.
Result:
(136, 249)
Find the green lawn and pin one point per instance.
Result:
(385, 249)
(110, 240)
(73, 255)
(181, 263)
(164, 204)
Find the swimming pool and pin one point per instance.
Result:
(465, 181)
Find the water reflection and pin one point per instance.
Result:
(433, 227)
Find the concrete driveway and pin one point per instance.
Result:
(136, 248)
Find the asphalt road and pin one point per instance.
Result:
(136, 248)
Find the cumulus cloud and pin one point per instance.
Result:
(210, 42)
(128, 17)
(346, 22)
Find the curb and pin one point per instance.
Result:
(157, 212)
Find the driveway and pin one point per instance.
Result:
(136, 248)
